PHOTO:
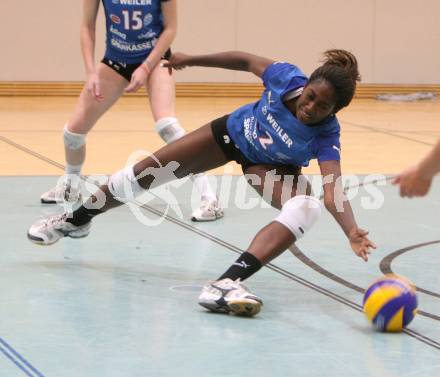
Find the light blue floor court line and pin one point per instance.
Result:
(18, 360)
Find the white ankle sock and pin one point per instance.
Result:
(73, 169)
(203, 187)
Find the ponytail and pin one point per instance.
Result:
(340, 69)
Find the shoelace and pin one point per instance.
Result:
(230, 286)
(209, 205)
(67, 185)
(56, 220)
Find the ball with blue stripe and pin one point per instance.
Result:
(390, 303)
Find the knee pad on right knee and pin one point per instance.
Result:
(124, 186)
(73, 140)
(169, 129)
(299, 214)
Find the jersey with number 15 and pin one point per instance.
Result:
(133, 27)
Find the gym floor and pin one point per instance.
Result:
(123, 301)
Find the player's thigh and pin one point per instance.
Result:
(88, 110)
(277, 184)
(161, 92)
(194, 153)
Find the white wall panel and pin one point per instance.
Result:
(396, 41)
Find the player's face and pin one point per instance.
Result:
(316, 102)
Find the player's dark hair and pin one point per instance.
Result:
(340, 69)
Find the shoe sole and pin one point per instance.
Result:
(54, 201)
(215, 308)
(75, 236)
(44, 201)
(245, 308)
(195, 219)
(39, 241)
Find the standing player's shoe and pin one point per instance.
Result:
(209, 210)
(228, 296)
(65, 192)
(50, 229)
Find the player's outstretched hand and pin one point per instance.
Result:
(413, 182)
(177, 61)
(360, 244)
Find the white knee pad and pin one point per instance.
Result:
(169, 129)
(124, 186)
(73, 140)
(299, 214)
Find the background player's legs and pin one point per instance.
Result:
(161, 91)
(192, 154)
(87, 111)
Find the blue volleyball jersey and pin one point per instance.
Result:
(133, 27)
(267, 132)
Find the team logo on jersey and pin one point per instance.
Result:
(148, 19)
(265, 141)
(148, 35)
(335, 147)
(115, 19)
(115, 31)
(135, 2)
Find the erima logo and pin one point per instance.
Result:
(242, 264)
(335, 147)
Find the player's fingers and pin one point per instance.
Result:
(130, 87)
(369, 243)
(97, 92)
(402, 192)
(90, 89)
(396, 180)
(366, 254)
(372, 244)
(137, 86)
